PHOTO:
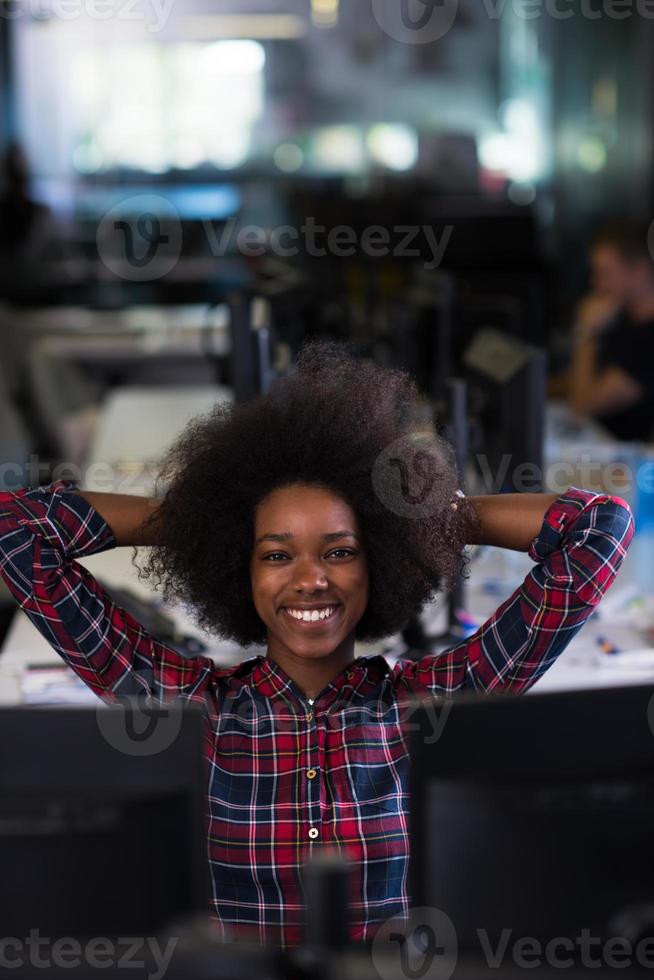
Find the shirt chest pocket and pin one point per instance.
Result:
(368, 788)
(237, 784)
(366, 814)
(266, 796)
(369, 769)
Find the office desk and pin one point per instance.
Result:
(78, 332)
(581, 453)
(621, 620)
(91, 348)
(136, 428)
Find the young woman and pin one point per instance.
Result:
(306, 520)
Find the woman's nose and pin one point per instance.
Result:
(309, 575)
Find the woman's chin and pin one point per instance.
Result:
(315, 650)
(308, 647)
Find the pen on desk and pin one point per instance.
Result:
(606, 646)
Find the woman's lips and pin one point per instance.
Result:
(313, 624)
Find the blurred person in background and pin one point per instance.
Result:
(31, 239)
(612, 370)
(22, 219)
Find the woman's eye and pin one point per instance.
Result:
(337, 551)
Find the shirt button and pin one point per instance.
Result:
(313, 833)
(310, 716)
(311, 773)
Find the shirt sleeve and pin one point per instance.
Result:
(42, 532)
(578, 552)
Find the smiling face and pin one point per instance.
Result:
(309, 574)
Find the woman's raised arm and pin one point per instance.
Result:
(578, 542)
(511, 520)
(125, 515)
(43, 533)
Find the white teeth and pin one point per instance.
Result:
(312, 615)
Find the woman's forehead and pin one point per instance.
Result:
(305, 505)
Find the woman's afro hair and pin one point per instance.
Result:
(338, 422)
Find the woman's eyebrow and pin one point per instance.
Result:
(286, 536)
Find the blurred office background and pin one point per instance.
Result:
(189, 189)
(172, 171)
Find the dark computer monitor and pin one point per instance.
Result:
(454, 428)
(251, 370)
(507, 383)
(421, 328)
(532, 816)
(102, 820)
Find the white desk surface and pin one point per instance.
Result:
(137, 426)
(624, 618)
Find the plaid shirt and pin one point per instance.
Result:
(287, 775)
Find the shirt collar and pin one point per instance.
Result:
(272, 681)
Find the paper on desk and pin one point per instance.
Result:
(54, 684)
(640, 660)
